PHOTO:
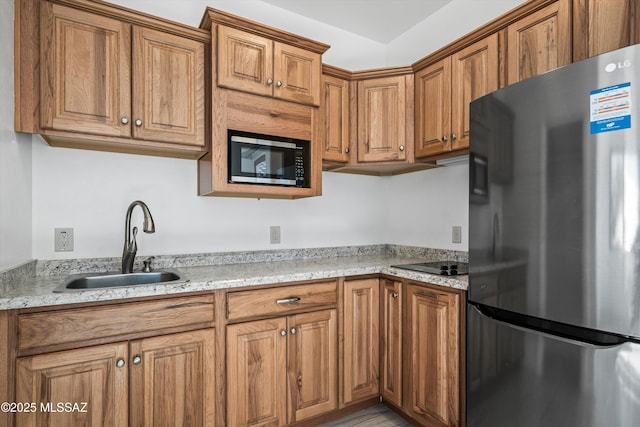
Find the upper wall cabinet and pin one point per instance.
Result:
(539, 42)
(107, 84)
(601, 26)
(258, 65)
(334, 117)
(383, 125)
(444, 91)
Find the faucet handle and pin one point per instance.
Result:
(147, 264)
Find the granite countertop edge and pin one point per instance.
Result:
(37, 290)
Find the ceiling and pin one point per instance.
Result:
(378, 20)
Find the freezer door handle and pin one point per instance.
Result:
(584, 337)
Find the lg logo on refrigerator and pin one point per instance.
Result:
(617, 66)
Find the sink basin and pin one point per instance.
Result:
(82, 282)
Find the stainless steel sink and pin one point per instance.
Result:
(83, 282)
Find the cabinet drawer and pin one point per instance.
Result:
(44, 329)
(284, 299)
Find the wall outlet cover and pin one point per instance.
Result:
(63, 239)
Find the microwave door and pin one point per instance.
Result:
(262, 162)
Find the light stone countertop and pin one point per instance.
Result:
(33, 290)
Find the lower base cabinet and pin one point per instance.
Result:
(432, 356)
(282, 370)
(159, 381)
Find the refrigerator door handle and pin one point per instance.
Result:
(583, 337)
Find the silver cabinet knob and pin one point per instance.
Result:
(346, 150)
(444, 139)
(269, 81)
(124, 120)
(401, 148)
(137, 360)
(278, 83)
(294, 331)
(454, 136)
(120, 363)
(138, 122)
(283, 333)
(394, 295)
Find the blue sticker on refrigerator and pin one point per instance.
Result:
(610, 108)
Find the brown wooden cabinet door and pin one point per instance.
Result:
(88, 375)
(85, 72)
(256, 373)
(334, 116)
(381, 119)
(391, 334)
(361, 340)
(539, 42)
(296, 74)
(172, 380)
(168, 88)
(474, 72)
(245, 61)
(601, 26)
(433, 109)
(313, 364)
(433, 357)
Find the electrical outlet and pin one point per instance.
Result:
(274, 234)
(63, 239)
(456, 234)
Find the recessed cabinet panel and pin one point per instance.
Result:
(539, 42)
(85, 66)
(245, 61)
(168, 88)
(97, 376)
(334, 115)
(381, 119)
(297, 74)
(474, 74)
(256, 373)
(391, 338)
(433, 108)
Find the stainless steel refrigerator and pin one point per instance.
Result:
(553, 313)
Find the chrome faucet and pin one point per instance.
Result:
(130, 245)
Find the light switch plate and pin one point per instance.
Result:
(274, 234)
(456, 234)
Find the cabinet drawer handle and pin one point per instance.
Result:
(454, 136)
(124, 120)
(427, 294)
(137, 360)
(401, 148)
(269, 81)
(138, 122)
(120, 363)
(291, 300)
(283, 333)
(278, 83)
(394, 295)
(294, 331)
(444, 139)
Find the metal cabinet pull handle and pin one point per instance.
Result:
(444, 139)
(120, 363)
(401, 148)
(427, 294)
(454, 136)
(269, 81)
(138, 122)
(394, 294)
(294, 331)
(346, 150)
(278, 83)
(291, 300)
(137, 360)
(283, 333)
(124, 120)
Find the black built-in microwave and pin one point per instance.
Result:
(268, 160)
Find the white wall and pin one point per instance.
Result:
(15, 160)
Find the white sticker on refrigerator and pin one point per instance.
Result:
(611, 108)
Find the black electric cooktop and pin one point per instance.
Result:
(443, 268)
